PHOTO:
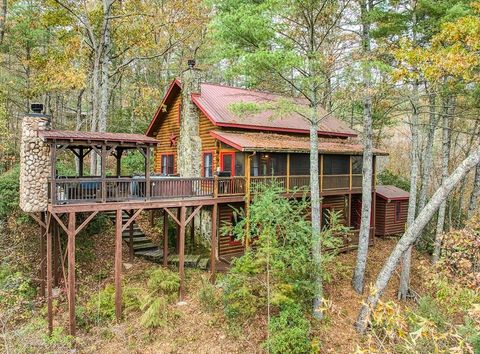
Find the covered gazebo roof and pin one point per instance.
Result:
(87, 138)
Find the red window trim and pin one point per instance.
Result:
(203, 161)
(232, 153)
(174, 161)
(399, 204)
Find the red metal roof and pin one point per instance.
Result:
(216, 100)
(96, 136)
(287, 143)
(392, 193)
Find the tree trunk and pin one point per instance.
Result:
(362, 252)
(3, 19)
(475, 193)
(411, 235)
(446, 138)
(412, 202)
(427, 155)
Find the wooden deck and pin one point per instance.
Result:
(95, 193)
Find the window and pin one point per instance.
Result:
(398, 211)
(168, 164)
(336, 165)
(207, 164)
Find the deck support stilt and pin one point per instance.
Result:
(165, 238)
(118, 264)
(213, 252)
(130, 238)
(71, 273)
(42, 272)
(49, 275)
(181, 264)
(56, 252)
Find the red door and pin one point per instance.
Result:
(227, 162)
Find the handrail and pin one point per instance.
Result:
(116, 189)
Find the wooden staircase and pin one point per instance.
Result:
(142, 245)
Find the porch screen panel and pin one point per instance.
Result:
(336, 165)
(239, 164)
(299, 164)
(357, 165)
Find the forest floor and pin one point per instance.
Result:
(190, 327)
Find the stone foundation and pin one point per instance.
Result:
(34, 164)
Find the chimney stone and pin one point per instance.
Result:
(34, 164)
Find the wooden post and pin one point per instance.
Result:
(247, 201)
(49, 277)
(130, 238)
(321, 173)
(215, 186)
(151, 217)
(147, 173)
(213, 251)
(177, 244)
(351, 176)
(118, 265)
(56, 252)
(53, 173)
(349, 219)
(42, 272)
(288, 172)
(119, 162)
(103, 165)
(165, 238)
(181, 264)
(81, 156)
(71, 272)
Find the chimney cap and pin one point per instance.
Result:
(191, 63)
(36, 108)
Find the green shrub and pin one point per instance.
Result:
(162, 287)
(208, 296)
(240, 298)
(386, 177)
(9, 191)
(289, 332)
(14, 286)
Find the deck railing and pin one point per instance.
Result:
(119, 189)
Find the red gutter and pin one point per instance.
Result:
(259, 127)
(174, 83)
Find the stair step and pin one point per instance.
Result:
(191, 260)
(138, 239)
(126, 233)
(156, 253)
(143, 246)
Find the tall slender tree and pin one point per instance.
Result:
(270, 51)
(366, 6)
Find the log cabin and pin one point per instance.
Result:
(200, 135)
(207, 160)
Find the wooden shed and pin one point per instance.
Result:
(391, 210)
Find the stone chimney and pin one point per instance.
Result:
(189, 148)
(34, 162)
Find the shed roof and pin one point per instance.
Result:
(215, 102)
(73, 135)
(392, 193)
(271, 142)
